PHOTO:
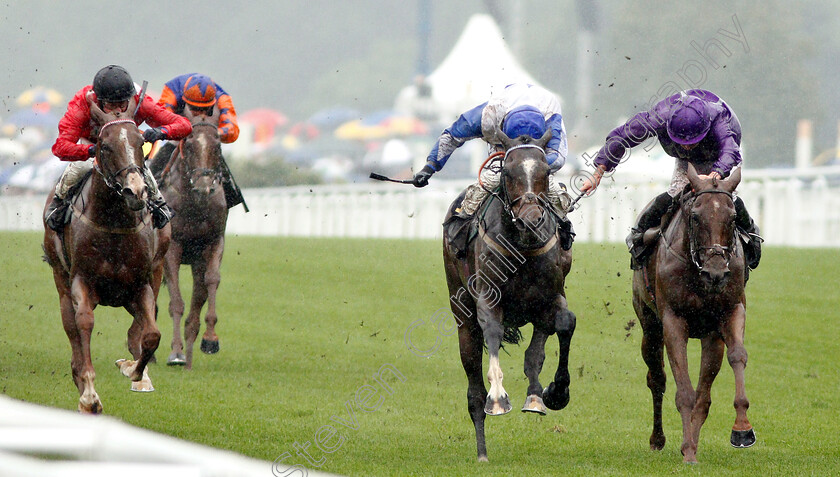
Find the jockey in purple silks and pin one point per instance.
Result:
(693, 126)
(518, 110)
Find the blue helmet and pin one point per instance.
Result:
(524, 121)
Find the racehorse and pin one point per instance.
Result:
(191, 184)
(513, 274)
(110, 255)
(693, 287)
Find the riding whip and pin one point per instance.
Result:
(142, 97)
(380, 177)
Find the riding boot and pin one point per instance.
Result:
(233, 196)
(161, 212)
(56, 213)
(650, 217)
(750, 233)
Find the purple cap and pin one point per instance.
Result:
(524, 121)
(689, 121)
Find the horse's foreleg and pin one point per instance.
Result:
(89, 402)
(711, 358)
(743, 434)
(146, 336)
(556, 395)
(471, 344)
(212, 278)
(490, 319)
(534, 358)
(171, 267)
(193, 323)
(676, 339)
(652, 354)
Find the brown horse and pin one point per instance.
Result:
(110, 255)
(191, 184)
(693, 287)
(513, 274)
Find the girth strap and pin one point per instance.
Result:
(120, 231)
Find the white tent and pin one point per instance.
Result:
(479, 64)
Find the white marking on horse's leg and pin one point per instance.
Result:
(495, 376)
(89, 400)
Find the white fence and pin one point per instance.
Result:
(791, 209)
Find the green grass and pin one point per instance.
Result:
(305, 323)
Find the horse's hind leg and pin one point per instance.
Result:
(652, 354)
(193, 323)
(171, 267)
(212, 278)
(556, 395)
(534, 358)
(743, 434)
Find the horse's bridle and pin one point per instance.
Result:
(193, 173)
(112, 178)
(715, 249)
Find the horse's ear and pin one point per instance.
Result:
(188, 113)
(215, 114)
(507, 142)
(733, 180)
(96, 112)
(132, 106)
(694, 178)
(543, 141)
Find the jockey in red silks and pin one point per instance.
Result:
(200, 93)
(519, 109)
(693, 126)
(112, 89)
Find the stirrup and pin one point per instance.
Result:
(161, 214)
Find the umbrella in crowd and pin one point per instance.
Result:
(265, 122)
(40, 95)
(380, 125)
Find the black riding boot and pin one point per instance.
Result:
(233, 196)
(56, 213)
(751, 238)
(650, 217)
(161, 213)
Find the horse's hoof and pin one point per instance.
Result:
(126, 366)
(209, 347)
(483, 458)
(497, 408)
(534, 403)
(93, 408)
(657, 443)
(742, 439)
(554, 399)
(142, 386)
(176, 359)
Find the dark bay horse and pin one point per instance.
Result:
(191, 184)
(513, 274)
(693, 287)
(110, 255)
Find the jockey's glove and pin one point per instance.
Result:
(421, 179)
(92, 150)
(154, 134)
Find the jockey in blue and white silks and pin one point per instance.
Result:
(519, 109)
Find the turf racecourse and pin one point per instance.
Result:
(305, 325)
